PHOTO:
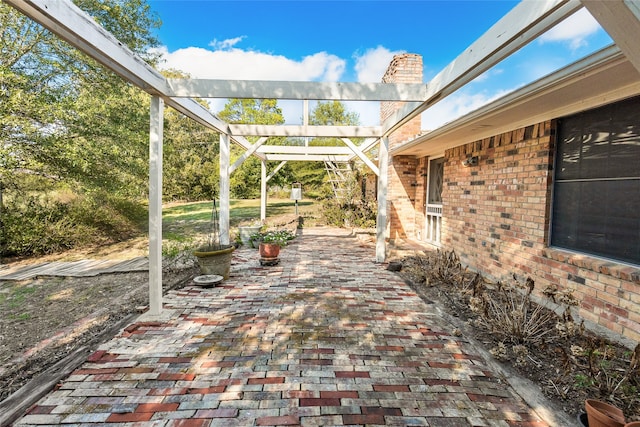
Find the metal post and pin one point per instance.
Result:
(381, 221)
(155, 205)
(225, 147)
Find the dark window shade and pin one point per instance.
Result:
(596, 206)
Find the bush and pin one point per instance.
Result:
(36, 225)
(346, 213)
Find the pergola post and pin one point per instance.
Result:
(225, 150)
(381, 221)
(155, 205)
(263, 190)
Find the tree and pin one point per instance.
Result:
(191, 162)
(49, 91)
(245, 181)
(313, 174)
(67, 123)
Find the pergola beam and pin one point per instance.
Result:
(156, 114)
(306, 131)
(247, 153)
(262, 89)
(225, 187)
(354, 148)
(621, 20)
(306, 158)
(383, 182)
(365, 146)
(276, 170)
(300, 149)
(524, 23)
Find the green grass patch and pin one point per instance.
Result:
(240, 210)
(18, 296)
(185, 223)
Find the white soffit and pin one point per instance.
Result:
(604, 77)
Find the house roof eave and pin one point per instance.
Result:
(581, 85)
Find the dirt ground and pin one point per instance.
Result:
(46, 318)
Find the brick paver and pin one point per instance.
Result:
(327, 337)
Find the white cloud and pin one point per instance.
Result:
(227, 62)
(573, 30)
(373, 63)
(225, 44)
(237, 64)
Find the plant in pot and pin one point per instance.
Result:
(213, 257)
(272, 241)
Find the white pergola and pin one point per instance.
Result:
(524, 23)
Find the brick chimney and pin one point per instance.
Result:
(402, 179)
(404, 68)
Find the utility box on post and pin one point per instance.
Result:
(296, 193)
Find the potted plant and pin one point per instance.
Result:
(247, 231)
(213, 257)
(272, 241)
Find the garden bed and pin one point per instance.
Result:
(541, 342)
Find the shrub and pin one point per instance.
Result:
(36, 225)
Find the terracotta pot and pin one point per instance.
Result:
(269, 250)
(602, 414)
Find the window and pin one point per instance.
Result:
(596, 203)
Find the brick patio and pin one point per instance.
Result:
(328, 337)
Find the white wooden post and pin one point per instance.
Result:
(263, 190)
(155, 205)
(381, 221)
(225, 147)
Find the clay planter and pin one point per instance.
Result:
(215, 262)
(602, 414)
(269, 250)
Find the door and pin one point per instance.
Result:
(433, 214)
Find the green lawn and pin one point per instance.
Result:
(241, 210)
(184, 223)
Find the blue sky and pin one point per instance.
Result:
(354, 41)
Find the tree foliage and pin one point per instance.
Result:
(313, 175)
(66, 122)
(62, 114)
(245, 181)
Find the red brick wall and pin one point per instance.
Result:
(401, 207)
(422, 167)
(496, 218)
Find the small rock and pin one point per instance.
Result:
(394, 266)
